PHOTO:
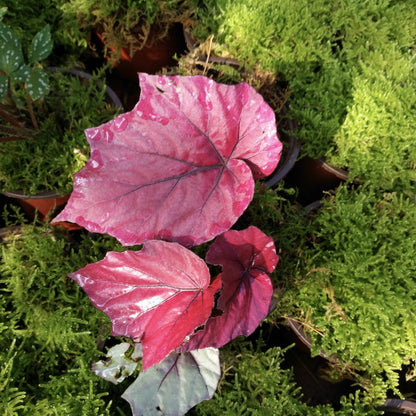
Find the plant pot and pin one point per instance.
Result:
(389, 407)
(48, 203)
(301, 336)
(398, 407)
(43, 206)
(45, 203)
(155, 55)
(308, 372)
(314, 177)
(290, 155)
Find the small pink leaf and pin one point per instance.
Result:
(246, 257)
(179, 166)
(176, 384)
(157, 296)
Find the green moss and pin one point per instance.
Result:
(376, 139)
(350, 66)
(356, 291)
(59, 149)
(257, 383)
(49, 329)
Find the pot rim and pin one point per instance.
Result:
(398, 406)
(82, 74)
(40, 195)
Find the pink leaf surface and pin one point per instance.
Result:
(157, 295)
(246, 257)
(180, 166)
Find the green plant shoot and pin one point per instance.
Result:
(16, 75)
(12, 63)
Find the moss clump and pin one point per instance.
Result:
(356, 288)
(375, 139)
(257, 384)
(349, 65)
(59, 149)
(49, 330)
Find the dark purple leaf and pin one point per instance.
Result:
(246, 258)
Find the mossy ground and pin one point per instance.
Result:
(50, 332)
(349, 69)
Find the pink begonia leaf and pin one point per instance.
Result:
(157, 295)
(179, 166)
(176, 384)
(246, 258)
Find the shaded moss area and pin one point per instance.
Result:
(50, 332)
(257, 383)
(353, 287)
(49, 160)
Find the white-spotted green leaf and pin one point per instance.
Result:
(11, 55)
(41, 45)
(176, 384)
(21, 75)
(37, 83)
(117, 366)
(4, 83)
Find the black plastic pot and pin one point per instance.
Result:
(398, 407)
(289, 157)
(314, 177)
(308, 372)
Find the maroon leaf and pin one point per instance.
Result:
(246, 257)
(157, 296)
(179, 166)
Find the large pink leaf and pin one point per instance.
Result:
(157, 296)
(179, 166)
(246, 257)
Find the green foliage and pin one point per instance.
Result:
(13, 67)
(349, 64)
(356, 292)
(49, 328)
(376, 139)
(11, 399)
(25, 18)
(59, 148)
(257, 383)
(120, 22)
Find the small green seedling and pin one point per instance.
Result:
(17, 76)
(12, 63)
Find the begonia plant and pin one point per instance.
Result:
(175, 172)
